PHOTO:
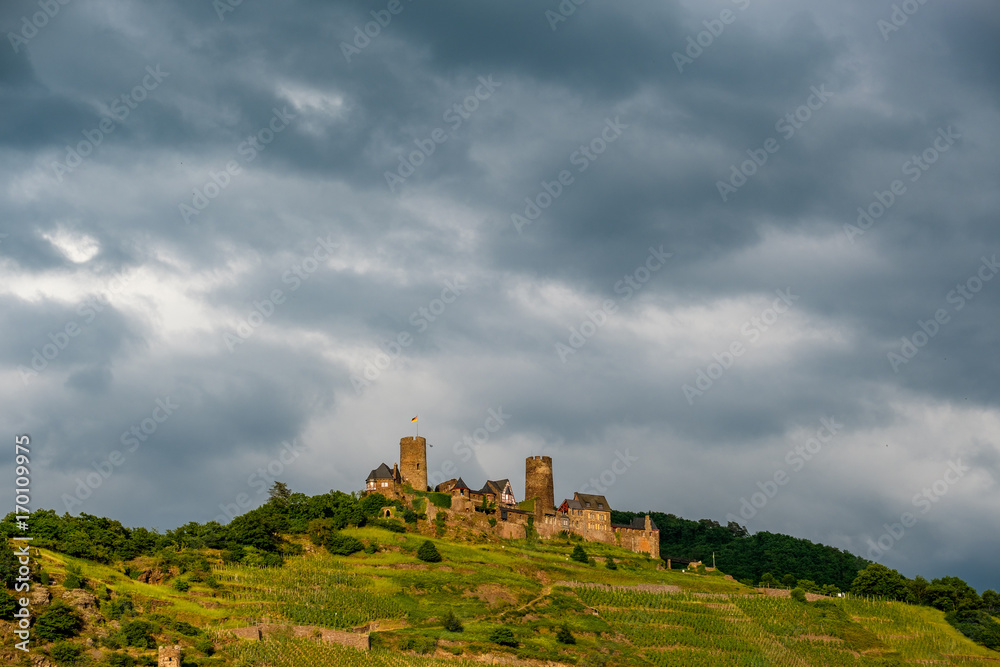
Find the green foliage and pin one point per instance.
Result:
(343, 545)
(767, 580)
(120, 606)
(182, 585)
(799, 594)
(493, 521)
(440, 499)
(788, 580)
(977, 625)
(991, 602)
(452, 623)
(609, 563)
(564, 636)
(877, 580)
(74, 577)
(119, 660)
(428, 552)
(371, 548)
(439, 524)
(503, 636)
(391, 525)
(8, 605)
(951, 594)
(137, 633)
(59, 621)
(65, 653)
(579, 555)
(205, 645)
(8, 565)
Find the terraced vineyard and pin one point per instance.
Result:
(635, 615)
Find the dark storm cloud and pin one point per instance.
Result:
(360, 264)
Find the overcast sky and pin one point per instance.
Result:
(623, 235)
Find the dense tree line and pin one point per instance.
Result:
(253, 538)
(749, 557)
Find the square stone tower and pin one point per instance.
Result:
(538, 483)
(169, 656)
(413, 461)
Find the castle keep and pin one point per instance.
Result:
(584, 514)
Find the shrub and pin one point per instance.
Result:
(182, 585)
(205, 645)
(799, 594)
(74, 578)
(343, 545)
(609, 563)
(564, 636)
(371, 548)
(119, 660)
(439, 524)
(977, 625)
(493, 521)
(137, 633)
(8, 605)
(440, 499)
(59, 621)
(389, 524)
(451, 622)
(503, 636)
(65, 653)
(579, 555)
(428, 552)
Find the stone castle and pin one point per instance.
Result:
(494, 509)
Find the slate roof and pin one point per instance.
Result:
(592, 502)
(381, 472)
(495, 486)
(460, 484)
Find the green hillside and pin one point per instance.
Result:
(636, 614)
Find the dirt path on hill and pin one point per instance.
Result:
(646, 588)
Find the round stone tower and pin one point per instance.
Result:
(413, 462)
(538, 481)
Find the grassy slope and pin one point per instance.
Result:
(706, 620)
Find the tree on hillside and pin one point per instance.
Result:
(279, 493)
(503, 636)
(428, 552)
(991, 602)
(452, 623)
(767, 580)
(565, 636)
(579, 555)
(342, 545)
(609, 563)
(59, 621)
(879, 581)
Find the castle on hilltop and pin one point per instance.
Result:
(584, 514)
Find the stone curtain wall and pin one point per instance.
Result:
(362, 642)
